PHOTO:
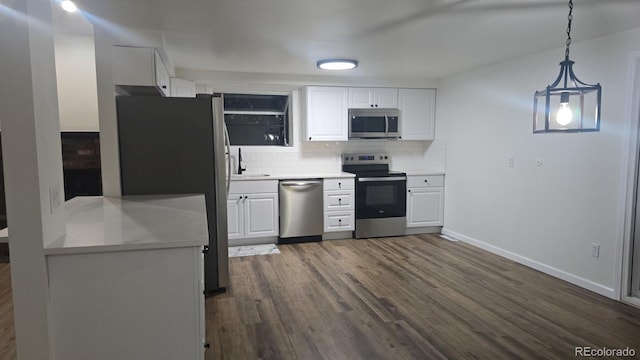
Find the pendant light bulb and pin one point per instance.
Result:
(564, 115)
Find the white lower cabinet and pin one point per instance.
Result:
(339, 204)
(252, 209)
(425, 201)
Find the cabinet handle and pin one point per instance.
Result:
(427, 181)
(340, 220)
(408, 190)
(376, 105)
(309, 137)
(240, 197)
(246, 197)
(371, 105)
(164, 86)
(340, 185)
(339, 200)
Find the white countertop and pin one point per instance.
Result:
(104, 224)
(250, 176)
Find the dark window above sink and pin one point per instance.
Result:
(257, 119)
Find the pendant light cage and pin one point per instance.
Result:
(568, 104)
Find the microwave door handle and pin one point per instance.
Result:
(386, 125)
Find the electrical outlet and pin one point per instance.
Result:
(511, 161)
(55, 197)
(595, 250)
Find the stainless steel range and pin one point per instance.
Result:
(381, 203)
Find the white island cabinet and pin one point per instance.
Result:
(326, 111)
(127, 280)
(252, 212)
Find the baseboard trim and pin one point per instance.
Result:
(547, 269)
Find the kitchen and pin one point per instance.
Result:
(481, 188)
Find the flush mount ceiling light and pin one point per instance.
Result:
(337, 64)
(68, 6)
(567, 105)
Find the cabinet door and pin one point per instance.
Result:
(326, 113)
(361, 98)
(425, 207)
(235, 216)
(385, 98)
(417, 111)
(162, 75)
(261, 215)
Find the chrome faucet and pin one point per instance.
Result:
(240, 167)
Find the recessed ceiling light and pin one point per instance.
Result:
(337, 64)
(68, 6)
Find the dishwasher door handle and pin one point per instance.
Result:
(301, 183)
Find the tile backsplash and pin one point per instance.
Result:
(325, 157)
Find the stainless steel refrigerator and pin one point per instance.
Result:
(177, 146)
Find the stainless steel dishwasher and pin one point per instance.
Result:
(301, 211)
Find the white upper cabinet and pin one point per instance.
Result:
(364, 98)
(140, 70)
(182, 88)
(326, 113)
(417, 113)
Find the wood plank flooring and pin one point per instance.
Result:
(411, 297)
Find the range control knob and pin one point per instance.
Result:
(386, 157)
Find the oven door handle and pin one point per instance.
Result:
(389, 178)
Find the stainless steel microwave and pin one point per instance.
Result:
(374, 123)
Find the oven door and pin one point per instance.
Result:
(381, 197)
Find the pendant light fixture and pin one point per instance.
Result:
(568, 104)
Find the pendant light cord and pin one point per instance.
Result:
(570, 19)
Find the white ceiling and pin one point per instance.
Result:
(390, 38)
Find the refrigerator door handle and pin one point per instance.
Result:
(227, 142)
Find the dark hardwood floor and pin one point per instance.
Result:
(412, 297)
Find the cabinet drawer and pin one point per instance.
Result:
(425, 181)
(338, 200)
(339, 221)
(339, 184)
(253, 186)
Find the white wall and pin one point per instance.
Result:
(32, 160)
(548, 216)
